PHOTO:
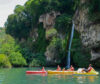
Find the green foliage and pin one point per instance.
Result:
(18, 9)
(27, 53)
(35, 50)
(80, 55)
(41, 41)
(12, 51)
(8, 45)
(18, 24)
(63, 23)
(76, 4)
(94, 10)
(34, 63)
(41, 58)
(4, 61)
(2, 33)
(16, 59)
(56, 46)
(25, 19)
(51, 32)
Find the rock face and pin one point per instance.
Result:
(48, 21)
(34, 34)
(89, 31)
(51, 55)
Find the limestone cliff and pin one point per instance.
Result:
(48, 21)
(89, 30)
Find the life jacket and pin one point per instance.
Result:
(43, 69)
(72, 68)
(58, 69)
(63, 69)
(89, 69)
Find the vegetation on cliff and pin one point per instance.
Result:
(94, 10)
(25, 20)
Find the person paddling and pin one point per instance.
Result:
(89, 68)
(43, 69)
(72, 68)
(58, 68)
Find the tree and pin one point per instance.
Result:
(4, 61)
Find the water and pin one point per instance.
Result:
(18, 76)
(70, 42)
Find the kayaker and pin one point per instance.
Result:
(63, 69)
(72, 68)
(58, 68)
(43, 69)
(89, 68)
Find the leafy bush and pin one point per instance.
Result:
(16, 59)
(12, 51)
(34, 62)
(94, 10)
(4, 61)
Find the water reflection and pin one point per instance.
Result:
(37, 74)
(60, 79)
(36, 78)
(92, 78)
(73, 79)
(83, 79)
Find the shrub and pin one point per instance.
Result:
(34, 62)
(4, 61)
(16, 59)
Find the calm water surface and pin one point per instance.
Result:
(18, 76)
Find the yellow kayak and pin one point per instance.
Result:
(92, 72)
(61, 72)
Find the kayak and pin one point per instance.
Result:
(92, 72)
(43, 71)
(36, 72)
(61, 72)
